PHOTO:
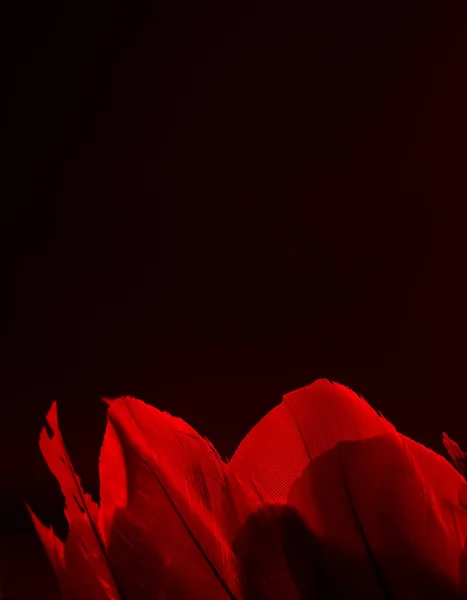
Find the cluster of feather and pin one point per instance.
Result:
(322, 499)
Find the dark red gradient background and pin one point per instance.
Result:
(206, 205)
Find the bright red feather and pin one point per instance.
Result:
(322, 499)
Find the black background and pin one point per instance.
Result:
(209, 205)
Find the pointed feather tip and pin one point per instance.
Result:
(322, 383)
(50, 426)
(29, 509)
(458, 457)
(132, 401)
(52, 544)
(38, 525)
(328, 390)
(41, 529)
(327, 385)
(330, 385)
(310, 387)
(110, 401)
(52, 414)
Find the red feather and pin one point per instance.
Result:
(322, 499)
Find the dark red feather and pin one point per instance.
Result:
(322, 499)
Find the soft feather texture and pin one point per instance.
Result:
(322, 499)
